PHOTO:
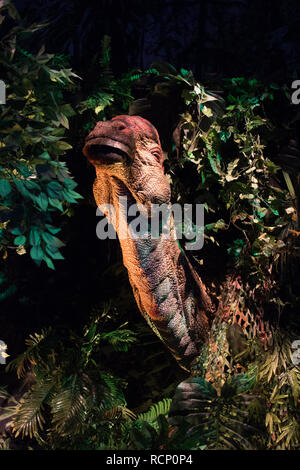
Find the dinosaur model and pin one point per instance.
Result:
(128, 159)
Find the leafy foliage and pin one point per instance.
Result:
(111, 96)
(215, 422)
(72, 395)
(256, 409)
(279, 382)
(237, 180)
(34, 182)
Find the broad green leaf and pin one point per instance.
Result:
(63, 120)
(70, 183)
(52, 240)
(42, 201)
(48, 262)
(45, 156)
(52, 229)
(61, 145)
(17, 231)
(36, 253)
(5, 188)
(68, 196)
(24, 170)
(21, 188)
(34, 236)
(20, 240)
(55, 254)
(30, 185)
(56, 203)
(54, 189)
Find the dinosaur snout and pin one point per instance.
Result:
(110, 142)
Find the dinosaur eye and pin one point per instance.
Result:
(156, 153)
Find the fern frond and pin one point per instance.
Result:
(29, 419)
(31, 355)
(111, 393)
(98, 102)
(120, 339)
(68, 407)
(160, 408)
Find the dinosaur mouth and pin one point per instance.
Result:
(104, 150)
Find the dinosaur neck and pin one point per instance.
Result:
(167, 290)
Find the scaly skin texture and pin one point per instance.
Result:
(128, 159)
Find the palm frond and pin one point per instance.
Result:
(29, 418)
(31, 355)
(112, 394)
(68, 407)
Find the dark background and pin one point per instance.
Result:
(212, 37)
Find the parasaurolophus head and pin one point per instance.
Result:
(128, 158)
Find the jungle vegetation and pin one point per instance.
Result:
(84, 371)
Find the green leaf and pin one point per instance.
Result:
(61, 145)
(52, 229)
(63, 120)
(34, 236)
(185, 73)
(67, 110)
(22, 189)
(36, 253)
(70, 183)
(24, 170)
(224, 136)
(49, 262)
(5, 188)
(20, 240)
(67, 196)
(52, 240)
(45, 156)
(56, 203)
(55, 254)
(215, 165)
(42, 201)
(74, 194)
(29, 184)
(54, 189)
(17, 231)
